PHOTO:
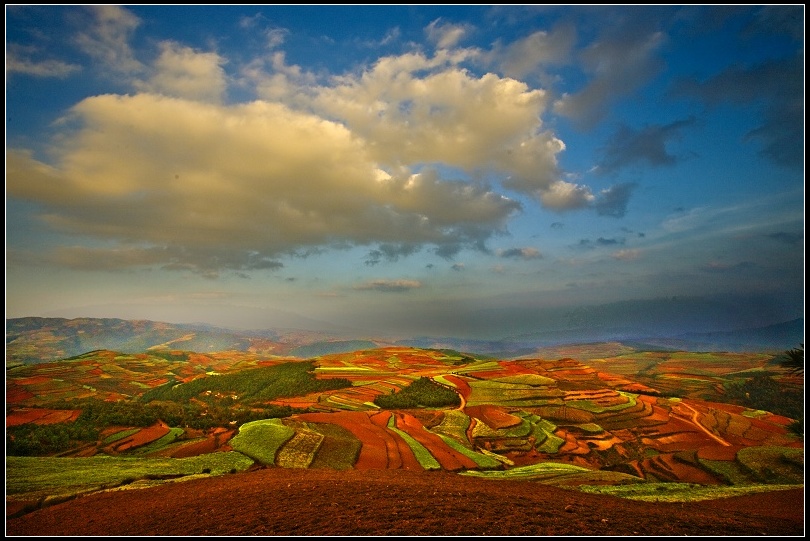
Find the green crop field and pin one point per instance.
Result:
(678, 492)
(261, 440)
(32, 478)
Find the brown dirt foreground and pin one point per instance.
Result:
(308, 502)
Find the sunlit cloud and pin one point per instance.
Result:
(254, 178)
(181, 72)
(418, 109)
(561, 195)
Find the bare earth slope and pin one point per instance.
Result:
(306, 502)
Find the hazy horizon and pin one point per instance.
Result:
(470, 171)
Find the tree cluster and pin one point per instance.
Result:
(423, 392)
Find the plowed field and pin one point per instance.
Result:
(308, 502)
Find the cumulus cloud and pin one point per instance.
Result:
(275, 80)
(521, 253)
(629, 146)
(182, 72)
(561, 195)
(458, 266)
(417, 109)
(214, 184)
(390, 286)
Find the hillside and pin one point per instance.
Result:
(33, 340)
(631, 418)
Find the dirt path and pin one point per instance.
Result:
(695, 419)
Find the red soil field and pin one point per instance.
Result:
(381, 447)
(450, 459)
(309, 502)
(41, 416)
(141, 437)
(493, 416)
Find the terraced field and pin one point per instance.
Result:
(555, 421)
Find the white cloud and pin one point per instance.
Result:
(181, 72)
(563, 195)
(446, 35)
(415, 109)
(276, 36)
(107, 39)
(211, 187)
(18, 63)
(535, 51)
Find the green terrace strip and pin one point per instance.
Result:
(261, 440)
(533, 471)
(481, 460)
(561, 475)
(32, 478)
(678, 492)
(423, 456)
(112, 438)
(161, 443)
(478, 366)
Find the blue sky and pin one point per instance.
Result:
(475, 171)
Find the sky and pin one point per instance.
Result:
(469, 171)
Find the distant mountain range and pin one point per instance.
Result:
(35, 339)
